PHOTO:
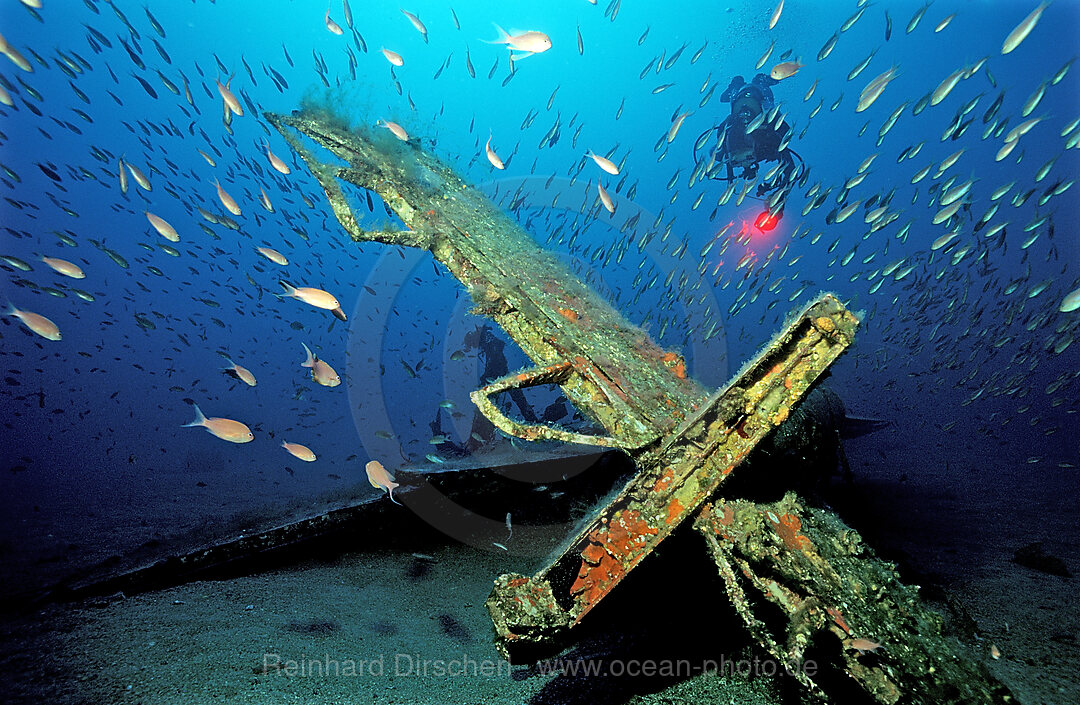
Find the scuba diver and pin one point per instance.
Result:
(490, 347)
(754, 133)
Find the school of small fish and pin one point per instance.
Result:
(236, 222)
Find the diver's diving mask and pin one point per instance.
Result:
(747, 103)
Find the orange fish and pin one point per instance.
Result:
(62, 266)
(397, 129)
(393, 57)
(604, 163)
(276, 162)
(380, 478)
(230, 100)
(605, 198)
(529, 43)
(36, 322)
(226, 200)
(310, 295)
(321, 372)
(240, 372)
(299, 451)
(272, 255)
(225, 429)
(785, 69)
(492, 157)
(162, 226)
(864, 645)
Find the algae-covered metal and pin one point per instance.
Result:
(676, 475)
(613, 371)
(841, 603)
(684, 440)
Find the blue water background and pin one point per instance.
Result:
(106, 449)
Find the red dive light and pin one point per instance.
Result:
(766, 221)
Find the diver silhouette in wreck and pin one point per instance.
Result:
(491, 353)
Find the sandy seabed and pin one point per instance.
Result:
(378, 624)
(367, 628)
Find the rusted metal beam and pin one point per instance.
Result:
(676, 476)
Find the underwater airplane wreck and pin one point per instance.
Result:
(802, 581)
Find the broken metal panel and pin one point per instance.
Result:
(835, 592)
(620, 377)
(675, 477)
